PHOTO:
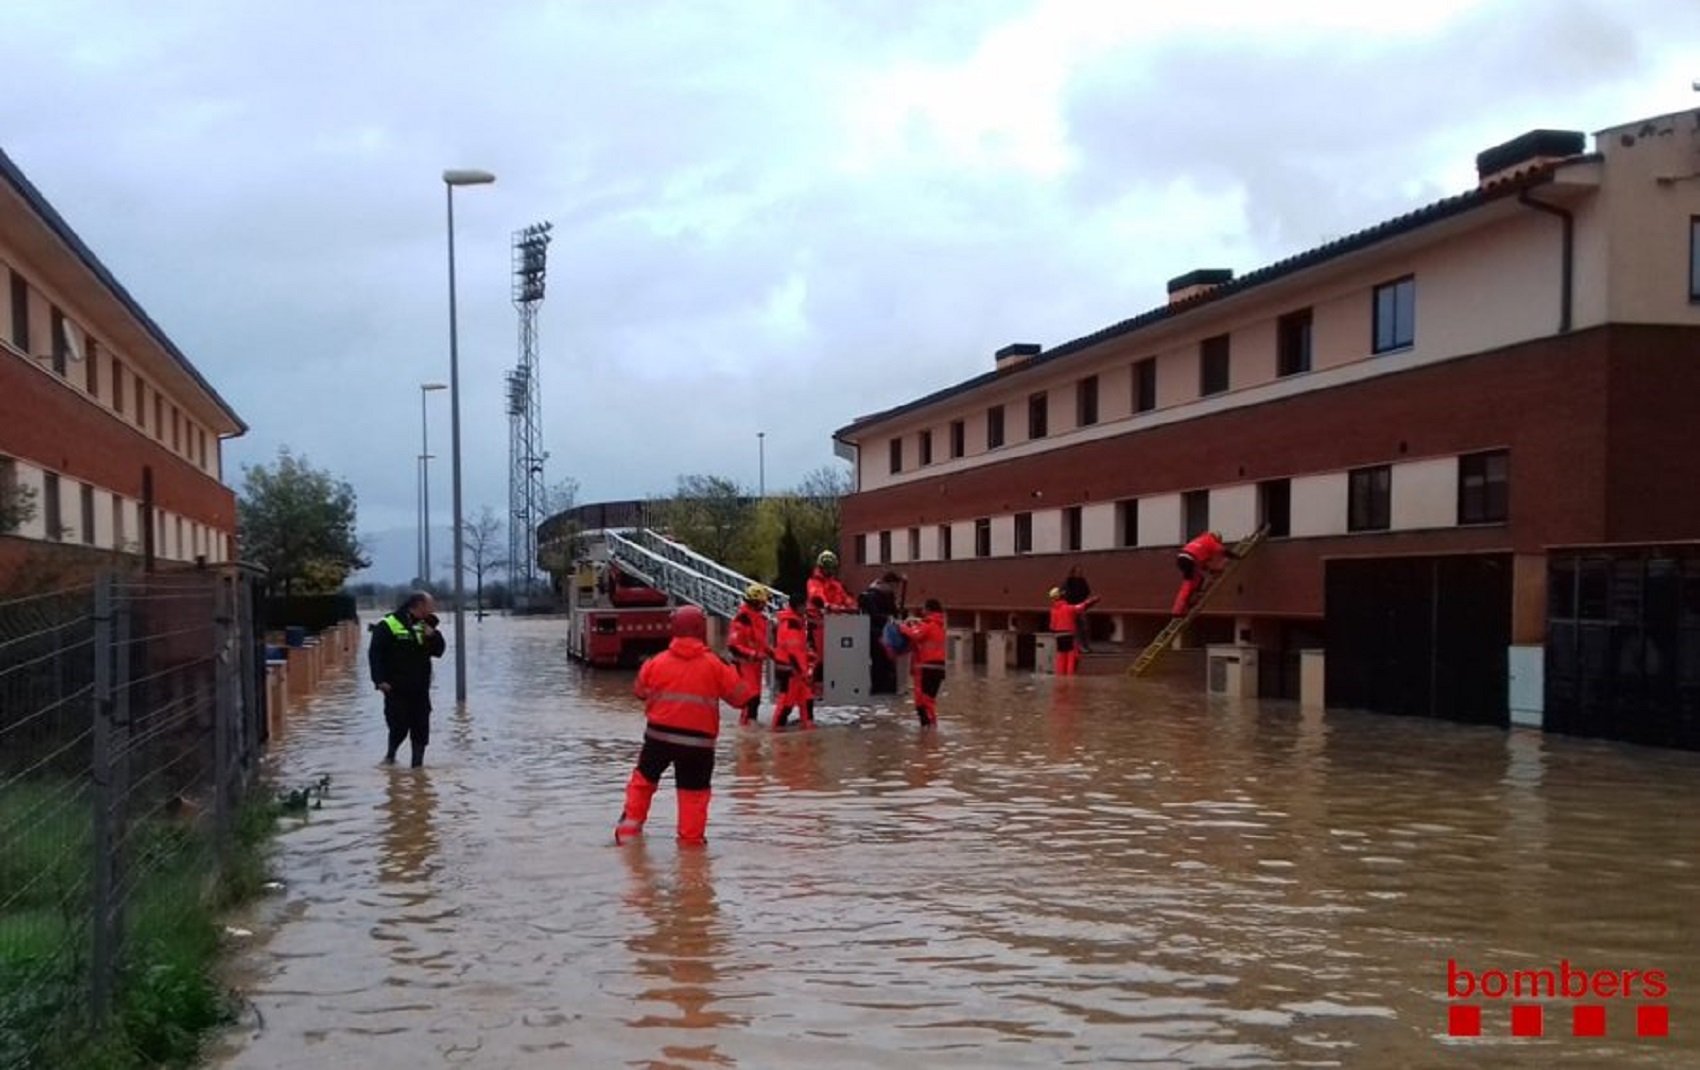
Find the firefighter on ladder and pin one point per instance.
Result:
(1200, 561)
(793, 688)
(747, 642)
(826, 594)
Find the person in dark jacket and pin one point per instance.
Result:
(880, 603)
(1077, 591)
(403, 644)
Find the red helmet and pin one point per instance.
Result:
(689, 623)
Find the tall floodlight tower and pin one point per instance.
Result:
(525, 416)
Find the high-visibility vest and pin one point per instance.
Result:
(929, 639)
(402, 632)
(683, 686)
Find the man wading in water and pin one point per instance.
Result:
(403, 644)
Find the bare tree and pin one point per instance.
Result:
(821, 489)
(484, 542)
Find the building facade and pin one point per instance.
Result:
(105, 425)
(1454, 392)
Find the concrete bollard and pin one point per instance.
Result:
(1000, 651)
(277, 693)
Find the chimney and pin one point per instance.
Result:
(1193, 283)
(1016, 354)
(1532, 151)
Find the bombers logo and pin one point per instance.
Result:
(1590, 992)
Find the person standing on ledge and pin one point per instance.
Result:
(403, 644)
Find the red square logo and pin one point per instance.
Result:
(1652, 1020)
(1526, 1019)
(1588, 1020)
(1463, 1020)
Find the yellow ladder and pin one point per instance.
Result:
(1154, 650)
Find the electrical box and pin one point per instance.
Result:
(845, 677)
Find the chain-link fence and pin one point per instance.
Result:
(130, 719)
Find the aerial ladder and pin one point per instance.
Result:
(1175, 627)
(680, 572)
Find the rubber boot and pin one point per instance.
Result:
(639, 792)
(693, 817)
(780, 716)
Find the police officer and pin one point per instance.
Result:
(403, 644)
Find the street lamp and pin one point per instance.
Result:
(761, 464)
(425, 483)
(451, 179)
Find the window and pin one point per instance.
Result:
(1370, 499)
(177, 434)
(885, 547)
(1213, 366)
(50, 506)
(1023, 533)
(1038, 415)
(1127, 522)
(926, 447)
(944, 542)
(1484, 486)
(87, 518)
(1694, 258)
(158, 415)
(8, 485)
(119, 535)
(1195, 513)
(141, 403)
(91, 367)
(117, 388)
(958, 438)
(1086, 402)
(1145, 385)
(994, 427)
(1071, 527)
(181, 553)
(861, 549)
(1292, 343)
(914, 544)
(1396, 314)
(1275, 507)
(21, 314)
(59, 342)
(982, 537)
(896, 455)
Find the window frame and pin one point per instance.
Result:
(1189, 530)
(914, 544)
(995, 430)
(983, 537)
(1265, 515)
(59, 343)
(1023, 533)
(1214, 354)
(1127, 523)
(924, 448)
(945, 542)
(1086, 402)
(52, 507)
(1074, 528)
(885, 547)
(896, 449)
(1295, 335)
(1377, 520)
(119, 535)
(1145, 385)
(859, 548)
(91, 367)
(1396, 343)
(1485, 489)
(1694, 259)
(85, 509)
(117, 375)
(958, 439)
(20, 335)
(1038, 415)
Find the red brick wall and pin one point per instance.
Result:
(1654, 458)
(1545, 400)
(47, 423)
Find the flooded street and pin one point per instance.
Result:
(1080, 872)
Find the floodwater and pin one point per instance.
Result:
(1082, 872)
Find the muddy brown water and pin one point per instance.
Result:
(1079, 872)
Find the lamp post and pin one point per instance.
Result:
(425, 483)
(451, 179)
(761, 464)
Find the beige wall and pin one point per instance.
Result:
(1233, 511)
(1647, 220)
(1048, 532)
(1425, 494)
(1319, 504)
(1160, 520)
(1003, 535)
(962, 539)
(1098, 526)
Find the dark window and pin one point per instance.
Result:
(50, 505)
(1127, 522)
(944, 542)
(1484, 488)
(88, 514)
(117, 387)
(896, 455)
(1195, 512)
(994, 427)
(59, 341)
(1145, 385)
(141, 403)
(159, 418)
(177, 430)
(1023, 533)
(1275, 506)
(1396, 314)
(21, 314)
(861, 549)
(1292, 343)
(926, 451)
(885, 547)
(982, 537)
(914, 544)
(202, 435)
(1086, 402)
(182, 551)
(1694, 258)
(91, 367)
(1038, 415)
(958, 438)
(119, 535)
(1213, 365)
(8, 486)
(1072, 521)
(1370, 499)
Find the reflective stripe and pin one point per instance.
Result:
(681, 696)
(402, 631)
(661, 735)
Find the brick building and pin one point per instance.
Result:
(1423, 412)
(101, 415)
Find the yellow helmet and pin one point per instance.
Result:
(1056, 593)
(756, 593)
(827, 559)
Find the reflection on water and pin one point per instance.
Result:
(1075, 872)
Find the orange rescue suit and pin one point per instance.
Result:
(747, 641)
(683, 686)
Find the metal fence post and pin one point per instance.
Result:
(101, 951)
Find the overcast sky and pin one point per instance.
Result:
(768, 216)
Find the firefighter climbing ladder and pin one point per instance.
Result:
(1152, 652)
(682, 573)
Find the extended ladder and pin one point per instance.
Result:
(681, 572)
(1154, 650)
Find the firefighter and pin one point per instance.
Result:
(1065, 617)
(927, 647)
(826, 594)
(747, 642)
(682, 688)
(1199, 560)
(403, 644)
(792, 686)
